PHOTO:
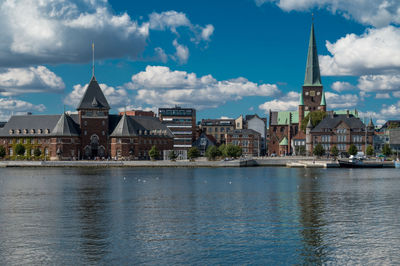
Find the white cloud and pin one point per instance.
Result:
(115, 97)
(182, 52)
(376, 12)
(207, 32)
(380, 83)
(161, 55)
(14, 81)
(159, 86)
(374, 52)
(288, 102)
(9, 106)
(385, 113)
(382, 96)
(335, 101)
(60, 31)
(341, 86)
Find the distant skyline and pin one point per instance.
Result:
(224, 58)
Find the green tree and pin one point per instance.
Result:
(2, 152)
(300, 150)
(370, 150)
(334, 151)
(19, 149)
(319, 150)
(193, 153)
(237, 151)
(172, 155)
(316, 117)
(154, 153)
(352, 150)
(212, 152)
(386, 150)
(222, 150)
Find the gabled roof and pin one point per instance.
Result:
(130, 126)
(65, 127)
(313, 76)
(331, 122)
(93, 97)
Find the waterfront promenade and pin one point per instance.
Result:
(295, 161)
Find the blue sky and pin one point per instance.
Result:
(225, 58)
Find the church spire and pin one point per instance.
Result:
(313, 76)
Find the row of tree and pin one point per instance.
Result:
(19, 150)
(320, 151)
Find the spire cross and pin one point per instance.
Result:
(93, 59)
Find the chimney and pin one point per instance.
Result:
(347, 114)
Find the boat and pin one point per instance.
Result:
(357, 163)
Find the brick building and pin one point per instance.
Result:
(92, 133)
(248, 139)
(218, 128)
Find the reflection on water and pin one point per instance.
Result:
(199, 216)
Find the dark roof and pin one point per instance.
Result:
(2, 124)
(65, 127)
(29, 125)
(93, 97)
(209, 141)
(331, 122)
(249, 117)
(128, 126)
(218, 122)
(243, 131)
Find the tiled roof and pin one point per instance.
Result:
(93, 97)
(29, 125)
(129, 126)
(65, 127)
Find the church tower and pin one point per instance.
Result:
(93, 119)
(312, 93)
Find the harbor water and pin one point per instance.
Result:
(199, 216)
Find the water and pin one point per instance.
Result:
(168, 216)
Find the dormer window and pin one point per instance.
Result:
(47, 131)
(11, 131)
(26, 131)
(140, 132)
(18, 131)
(40, 131)
(32, 131)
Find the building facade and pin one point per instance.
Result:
(92, 133)
(248, 139)
(182, 123)
(218, 128)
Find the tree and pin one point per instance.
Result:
(370, 150)
(316, 117)
(212, 152)
(300, 150)
(222, 150)
(193, 153)
(154, 153)
(334, 151)
(172, 155)
(352, 150)
(319, 150)
(386, 150)
(19, 149)
(2, 152)
(37, 152)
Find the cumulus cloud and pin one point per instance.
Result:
(115, 97)
(288, 102)
(182, 52)
(9, 106)
(57, 31)
(14, 81)
(377, 12)
(160, 86)
(382, 96)
(341, 86)
(379, 83)
(374, 52)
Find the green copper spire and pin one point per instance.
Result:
(301, 101)
(313, 76)
(323, 102)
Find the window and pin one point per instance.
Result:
(85, 123)
(46, 151)
(103, 123)
(103, 133)
(85, 133)
(10, 151)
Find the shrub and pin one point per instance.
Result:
(19, 149)
(212, 152)
(193, 153)
(386, 150)
(2, 152)
(154, 153)
(37, 152)
(334, 151)
(352, 150)
(172, 155)
(319, 150)
(370, 150)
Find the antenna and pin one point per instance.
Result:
(93, 59)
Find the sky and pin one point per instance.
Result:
(224, 58)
